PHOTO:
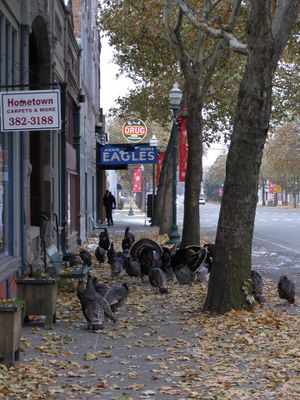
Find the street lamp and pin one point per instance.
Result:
(175, 96)
(153, 143)
(101, 136)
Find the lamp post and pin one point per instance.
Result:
(175, 99)
(130, 212)
(153, 143)
(101, 140)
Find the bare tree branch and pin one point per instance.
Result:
(174, 37)
(283, 19)
(197, 21)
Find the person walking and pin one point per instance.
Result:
(109, 202)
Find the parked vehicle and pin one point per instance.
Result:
(202, 199)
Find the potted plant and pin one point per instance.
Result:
(11, 311)
(39, 292)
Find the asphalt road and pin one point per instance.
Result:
(276, 241)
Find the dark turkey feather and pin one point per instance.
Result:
(157, 279)
(117, 266)
(100, 287)
(95, 306)
(100, 254)
(257, 287)
(128, 239)
(86, 257)
(111, 253)
(133, 267)
(116, 295)
(286, 289)
(104, 240)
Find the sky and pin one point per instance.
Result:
(112, 88)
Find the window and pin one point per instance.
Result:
(4, 194)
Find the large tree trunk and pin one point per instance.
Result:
(163, 210)
(232, 262)
(229, 281)
(191, 222)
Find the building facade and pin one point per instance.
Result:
(47, 177)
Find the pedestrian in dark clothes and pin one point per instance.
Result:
(109, 202)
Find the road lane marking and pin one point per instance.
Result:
(275, 244)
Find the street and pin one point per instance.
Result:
(276, 243)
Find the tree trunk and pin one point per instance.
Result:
(191, 222)
(230, 273)
(163, 209)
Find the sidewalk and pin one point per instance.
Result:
(162, 347)
(138, 223)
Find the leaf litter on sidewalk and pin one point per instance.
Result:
(162, 347)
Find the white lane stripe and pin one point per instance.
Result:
(275, 244)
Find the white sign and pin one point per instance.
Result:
(32, 110)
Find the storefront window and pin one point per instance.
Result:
(4, 194)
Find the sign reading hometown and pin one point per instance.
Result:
(134, 130)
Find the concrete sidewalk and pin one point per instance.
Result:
(137, 222)
(162, 346)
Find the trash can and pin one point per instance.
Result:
(150, 205)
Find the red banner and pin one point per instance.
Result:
(183, 146)
(160, 160)
(137, 180)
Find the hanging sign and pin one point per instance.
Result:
(120, 154)
(160, 161)
(134, 130)
(183, 146)
(137, 180)
(32, 110)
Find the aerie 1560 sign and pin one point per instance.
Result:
(30, 110)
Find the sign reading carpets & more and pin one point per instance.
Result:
(30, 110)
(120, 154)
(134, 130)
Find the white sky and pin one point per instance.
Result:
(112, 88)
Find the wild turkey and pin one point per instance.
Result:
(117, 266)
(80, 295)
(111, 253)
(157, 279)
(166, 263)
(91, 308)
(128, 240)
(86, 257)
(77, 260)
(211, 248)
(186, 261)
(202, 272)
(104, 241)
(100, 287)
(133, 267)
(93, 305)
(286, 289)
(116, 295)
(257, 287)
(142, 250)
(100, 254)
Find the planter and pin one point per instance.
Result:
(40, 298)
(10, 332)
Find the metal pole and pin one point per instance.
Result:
(153, 193)
(63, 86)
(131, 212)
(174, 236)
